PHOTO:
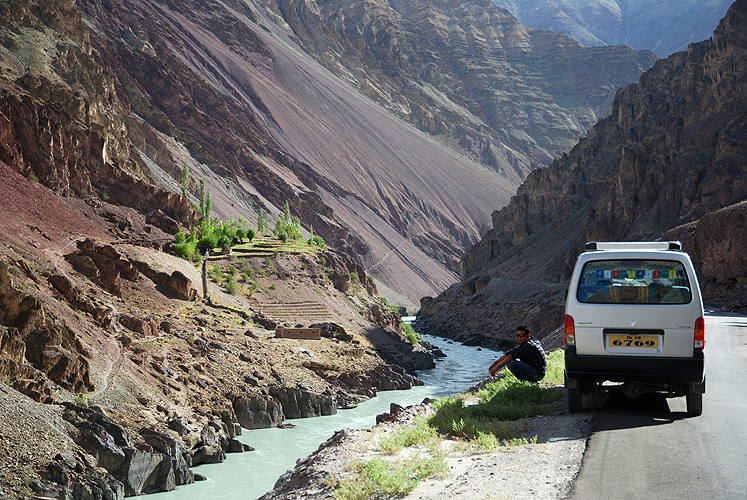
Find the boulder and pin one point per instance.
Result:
(258, 412)
(145, 326)
(180, 286)
(12, 345)
(300, 403)
(208, 450)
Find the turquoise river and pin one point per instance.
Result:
(252, 474)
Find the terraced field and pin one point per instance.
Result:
(308, 312)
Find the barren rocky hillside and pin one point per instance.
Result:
(671, 154)
(510, 97)
(117, 376)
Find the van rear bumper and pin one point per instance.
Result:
(635, 368)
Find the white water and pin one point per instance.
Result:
(252, 474)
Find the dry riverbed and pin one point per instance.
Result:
(543, 469)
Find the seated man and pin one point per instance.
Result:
(527, 361)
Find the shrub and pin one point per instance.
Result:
(318, 241)
(81, 400)
(411, 335)
(282, 236)
(180, 237)
(231, 285)
(250, 234)
(186, 250)
(224, 241)
(208, 242)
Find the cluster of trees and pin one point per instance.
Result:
(214, 233)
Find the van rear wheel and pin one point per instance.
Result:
(694, 403)
(574, 400)
(573, 394)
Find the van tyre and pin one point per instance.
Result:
(574, 400)
(694, 403)
(572, 394)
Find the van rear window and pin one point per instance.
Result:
(634, 282)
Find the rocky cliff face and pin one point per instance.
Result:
(672, 152)
(664, 26)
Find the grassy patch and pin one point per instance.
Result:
(503, 405)
(419, 433)
(411, 335)
(382, 477)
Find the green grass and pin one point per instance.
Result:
(411, 335)
(503, 405)
(381, 477)
(419, 433)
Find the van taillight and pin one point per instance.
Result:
(699, 333)
(570, 331)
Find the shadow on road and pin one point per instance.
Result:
(617, 411)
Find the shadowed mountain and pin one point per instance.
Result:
(671, 153)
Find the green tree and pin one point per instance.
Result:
(185, 180)
(290, 226)
(202, 197)
(263, 226)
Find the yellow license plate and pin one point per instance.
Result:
(643, 341)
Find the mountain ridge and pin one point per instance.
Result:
(662, 26)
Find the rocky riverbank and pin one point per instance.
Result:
(544, 469)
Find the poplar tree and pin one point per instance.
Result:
(185, 180)
(202, 197)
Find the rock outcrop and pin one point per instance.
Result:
(49, 348)
(258, 412)
(717, 247)
(160, 464)
(671, 152)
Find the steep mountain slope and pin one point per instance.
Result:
(671, 153)
(664, 26)
(510, 97)
(113, 97)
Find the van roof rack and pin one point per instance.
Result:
(633, 245)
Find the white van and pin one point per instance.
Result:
(634, 323)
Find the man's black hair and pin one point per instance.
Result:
(523, 328)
